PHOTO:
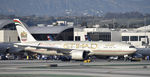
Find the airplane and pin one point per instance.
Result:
(87, 38)
(49, 37)
(143, 51)
(139, 53)
(8, 49)
(77, 50)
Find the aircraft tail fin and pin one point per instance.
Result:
(87, 38)
(50, 38)
(24, 34)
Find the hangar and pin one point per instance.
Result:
(64, 33)
(8, 32)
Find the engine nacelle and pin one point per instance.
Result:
(78, 54)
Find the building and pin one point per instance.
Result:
(57, 32)
(8, 32)
(96, 34)
(139, 37)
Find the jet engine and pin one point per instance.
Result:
(79, 55)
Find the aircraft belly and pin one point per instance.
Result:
(111, 52)
(45, 52)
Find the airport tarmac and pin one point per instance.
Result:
(100, 68)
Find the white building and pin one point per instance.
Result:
(8, 36)
(138, 39)
(7, 31)
(96, 34)
(135, 37)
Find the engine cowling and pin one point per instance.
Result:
(79, 55)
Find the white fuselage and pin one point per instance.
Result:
(95, 48)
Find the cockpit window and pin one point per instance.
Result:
(131, 46)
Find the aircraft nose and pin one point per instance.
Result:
(132, 48)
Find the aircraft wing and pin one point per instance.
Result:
(59, 50)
